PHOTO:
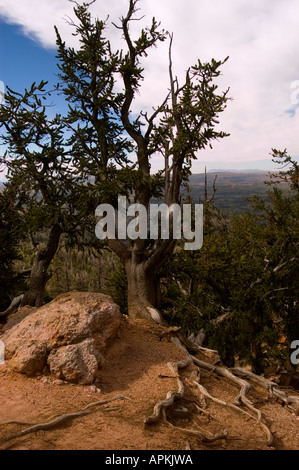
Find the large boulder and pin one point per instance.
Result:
(66, 337)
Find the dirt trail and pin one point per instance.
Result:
(136, 366)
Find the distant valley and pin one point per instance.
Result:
(233, 187)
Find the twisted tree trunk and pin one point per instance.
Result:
(39, 277)
(143, 291)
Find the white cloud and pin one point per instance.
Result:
(261, 38)
(36, 17)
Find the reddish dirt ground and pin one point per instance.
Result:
(136, 366)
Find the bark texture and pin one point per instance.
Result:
(143, 291)
(39, 276)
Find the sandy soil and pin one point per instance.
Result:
(136, 366)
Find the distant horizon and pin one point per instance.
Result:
(212, 170)
(235, 170)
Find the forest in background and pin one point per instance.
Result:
(240, 290)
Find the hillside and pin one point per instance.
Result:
(232, 188)
(136, 367)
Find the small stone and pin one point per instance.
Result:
(45, 380)
(58, 382)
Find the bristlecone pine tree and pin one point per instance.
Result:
(43, 188)
(112, 147)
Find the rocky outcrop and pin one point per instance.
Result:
(66, 338)
(16, 318)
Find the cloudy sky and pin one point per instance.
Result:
(261, 37)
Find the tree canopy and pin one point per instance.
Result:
(113, 147)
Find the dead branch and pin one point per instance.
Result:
(16, 302)
(59, 420)
(207, 200)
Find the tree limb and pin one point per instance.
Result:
(16, 302)
(60, 419)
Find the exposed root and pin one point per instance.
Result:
(237, 376)
(291, 401)
(155, 315)
(20, 423)
(188, 446)
(205, 393)
(171, 396)
(184, 343)
(200, 435)
(62, 419)
(245, 386)
(241, 397)
(160, 407)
